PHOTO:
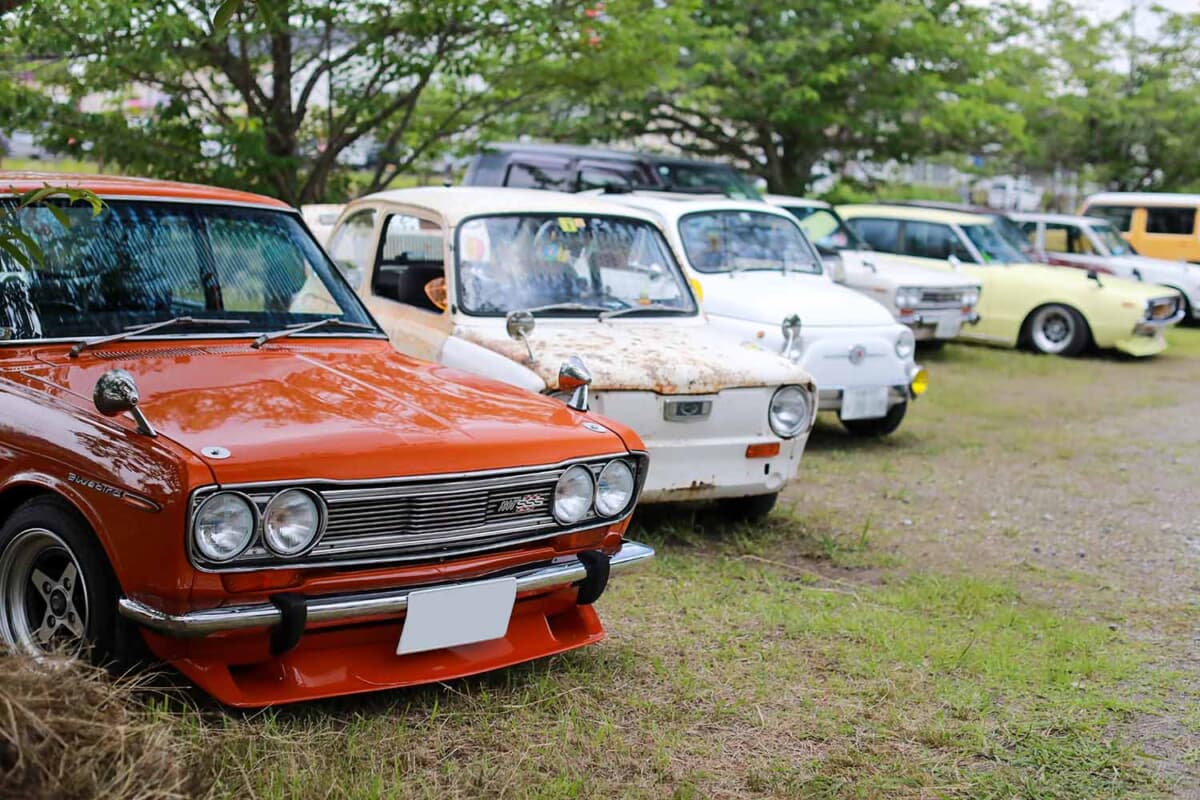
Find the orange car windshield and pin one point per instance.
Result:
(138, 262)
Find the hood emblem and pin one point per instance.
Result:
(214, 452)
(857, 354)
(595, 427)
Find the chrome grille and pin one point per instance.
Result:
(942, 298)
(426, 519)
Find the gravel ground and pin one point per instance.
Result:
(1073, 479)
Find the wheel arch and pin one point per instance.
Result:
(19, 491)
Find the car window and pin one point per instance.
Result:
(510, 262)
(1030, 231)
(734, 240)
(826, 229)
(710, 178)
(933, 240)
(600, 178)
(539, 176)
(881, 234)
(1062, 238)
(1111, 241)
(142, 262)
(1170, 220)
(410, 259)
(992, 243)
(350, 245)
(1119, 216)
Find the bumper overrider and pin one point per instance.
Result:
(588, 570)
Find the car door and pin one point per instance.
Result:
(405, 280)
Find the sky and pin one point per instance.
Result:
(1107, 9)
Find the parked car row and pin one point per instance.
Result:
(412, 454)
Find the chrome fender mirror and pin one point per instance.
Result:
(955, 261)
(1093, 275)
(791, 332)
(116, 393)
(574, 378)
(519, 325)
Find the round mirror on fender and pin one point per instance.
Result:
(519, 325)
(790, 328)
(116, 393)
(574, 378)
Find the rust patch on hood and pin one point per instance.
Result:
(665, 359)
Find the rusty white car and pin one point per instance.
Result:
(509, 283)
(762, 279)
(934, 305)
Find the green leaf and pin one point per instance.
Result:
(224, 13)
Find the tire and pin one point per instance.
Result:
(1057, 330)
(880, 426)
(748, 509)
(73, 612)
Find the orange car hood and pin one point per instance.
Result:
(346, 411)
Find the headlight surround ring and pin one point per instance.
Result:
(789, 411)
(615, 487)
(906, 344)
(307, 523)
(574, 494)
(224, 525)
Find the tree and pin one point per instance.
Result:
(780, 87)
(272, 97)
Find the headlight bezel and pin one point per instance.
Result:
(908, 297)
(322, 517)
(194, 536)
(805, 420)
(906, 345)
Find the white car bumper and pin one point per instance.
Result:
(937, 324)
(706, 458)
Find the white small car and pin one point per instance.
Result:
(1092, 243)
(762, 280)
(935, 305)
(513, 284)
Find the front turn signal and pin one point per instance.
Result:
(764, 450)
(920, 382)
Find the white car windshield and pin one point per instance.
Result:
(992, 245)
(141, 262)
(735, 240)
(826, 230)
(567, 264)
(1112, 241)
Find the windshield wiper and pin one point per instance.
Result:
(656, 307)
(135, 330)
(567, 307)
(308, 326)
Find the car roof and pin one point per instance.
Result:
(114, 186)
(792, 200)
(914, 213)
(585, 151)
(1065, 219)
(1143, 199)
(455, 203)
(672, 208)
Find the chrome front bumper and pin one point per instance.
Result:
(1150, 327)
(195, 624)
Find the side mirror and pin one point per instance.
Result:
(116, 393)
(954, 261)
(435, 290)
(1137, 275)
(1095, 276)
(791, 332)
(575, 378)
(353, 274)
(519, 325)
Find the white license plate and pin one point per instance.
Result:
(947, 328)
(447, 616)
(866, 403)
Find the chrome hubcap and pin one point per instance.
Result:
(1053, 330)
(44, 596)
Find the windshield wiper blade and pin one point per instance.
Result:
(135, 330)
(566, 307)
(308, 326)
(656, 307)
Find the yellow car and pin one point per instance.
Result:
(1054, 310)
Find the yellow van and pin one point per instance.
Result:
(1156, 225)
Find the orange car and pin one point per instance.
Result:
(209, 449)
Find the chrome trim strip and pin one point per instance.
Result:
(331, 608)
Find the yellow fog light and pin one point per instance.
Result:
(919, 382)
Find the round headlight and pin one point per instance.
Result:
(905, 344)
(291, 522)
(790, 410)
(573, 495)
(614, 488)
(907, 297)
(971, 297)
(224, 526)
